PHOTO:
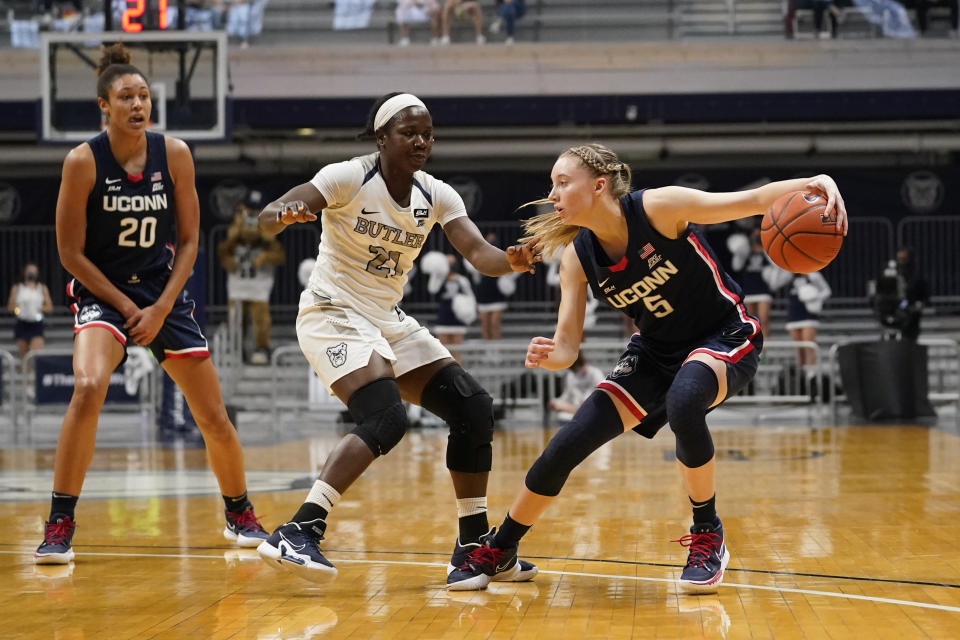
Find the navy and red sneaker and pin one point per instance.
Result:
(244, 527)
(57, 542)
(475, 565)
(707, 560)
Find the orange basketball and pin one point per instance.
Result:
(798, 235)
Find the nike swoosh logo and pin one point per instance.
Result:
(502, 568)
(115, 180)
(295, 547)
(366, 213)
(605, 280)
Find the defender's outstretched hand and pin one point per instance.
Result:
(294, 212)
(524, 257)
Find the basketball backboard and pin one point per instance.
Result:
(187, 72)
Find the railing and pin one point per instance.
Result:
(10, 387)
(226, 351)
(294, 386)
(148, 399)
(934, 240)
(498, 367)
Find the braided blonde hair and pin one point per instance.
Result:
(600, 161)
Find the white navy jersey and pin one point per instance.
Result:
(674, 290)
(369, 242)
(130, 219)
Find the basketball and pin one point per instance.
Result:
(798, 235)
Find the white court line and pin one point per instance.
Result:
(733, 585)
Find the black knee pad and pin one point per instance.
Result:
(380, 415)
(594, 424)
(690, 395)
(460, 401)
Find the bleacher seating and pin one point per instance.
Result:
(545, 21)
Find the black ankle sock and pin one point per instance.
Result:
(238, 504)
(509, 533)
(705, 512)
(309, 511)
(472, 527)
(62, 505)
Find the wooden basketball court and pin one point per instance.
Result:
(843, 532)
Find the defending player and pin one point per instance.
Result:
(377, 212)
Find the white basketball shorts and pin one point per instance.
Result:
(338, 339)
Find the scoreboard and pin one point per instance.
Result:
(145, 15)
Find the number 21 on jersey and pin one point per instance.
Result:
(384, 263)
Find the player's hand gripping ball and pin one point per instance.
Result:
(798, 234)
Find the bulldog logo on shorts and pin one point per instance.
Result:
(337, 354)
(90, 313)
(625, 367)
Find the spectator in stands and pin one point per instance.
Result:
(46, 8)
(416, 12)
(507, 13)
(492, 294)
(808, 292)
(823, 8)
(916, 295)
(923, 20)
(462, 9)
(250, 258)
(457, 306)
(820, 9)
(578, 383)
(898, 296)
(29, 299)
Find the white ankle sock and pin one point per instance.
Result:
(471, 506)
(323, 495)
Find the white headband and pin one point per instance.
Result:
(393, 106)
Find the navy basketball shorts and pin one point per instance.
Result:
(646, 370)
(179, 337)
(24, 330)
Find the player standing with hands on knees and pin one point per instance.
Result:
(377, 212)
(127, 204)
(696, 345)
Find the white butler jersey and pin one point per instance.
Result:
(369, 242)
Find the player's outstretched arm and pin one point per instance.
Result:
(295, 206)
(486, 258)
(671, 208)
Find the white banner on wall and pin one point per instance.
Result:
(352, 14)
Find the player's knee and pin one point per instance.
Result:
(595, 423)
(690, 395)
(379, 413)
(90, 388)
(214, 423)
(459, 400)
